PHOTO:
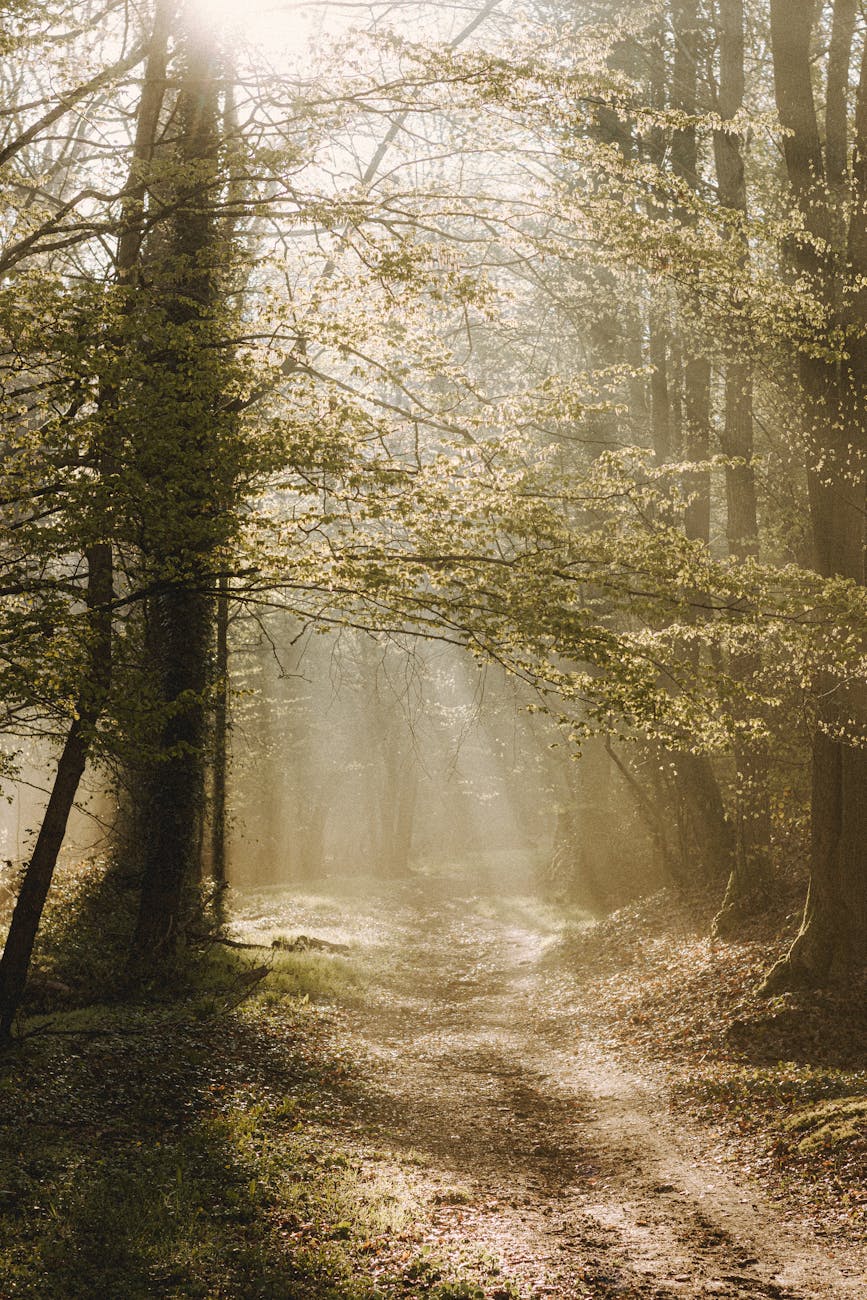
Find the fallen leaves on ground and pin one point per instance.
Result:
(686, 1007)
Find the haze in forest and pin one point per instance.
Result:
(433, 437)
(433, 648)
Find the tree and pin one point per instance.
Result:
(183, 449)
(95, 682)
(749, 879)
(829, 253)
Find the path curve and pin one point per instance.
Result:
(539, 1146)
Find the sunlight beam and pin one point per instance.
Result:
(277, 25)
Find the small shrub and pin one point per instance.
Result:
(84, 936)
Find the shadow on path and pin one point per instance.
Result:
(535, 1143)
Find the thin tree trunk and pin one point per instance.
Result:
(592, 884)
(30, 904)
(750, 876)
(17, 954)
(404, 819)
(220, 756)
(708, 831)
(221, 745)
(696, 366)
(660, 404)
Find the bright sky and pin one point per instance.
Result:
(276, 24)
(286, 26)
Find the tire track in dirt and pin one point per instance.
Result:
(539, 1146)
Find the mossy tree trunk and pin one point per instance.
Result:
(186, 459)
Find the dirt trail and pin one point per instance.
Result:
(539, 1146)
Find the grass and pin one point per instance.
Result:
(144, 1153)
(197, 1146)
(318, 976)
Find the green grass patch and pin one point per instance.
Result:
(809, 1121)
(830, 1124)
(319, 976)
(198, 1150)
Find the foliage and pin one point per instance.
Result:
(84, 936)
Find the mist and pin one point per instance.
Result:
(433, 649)
(401, 761)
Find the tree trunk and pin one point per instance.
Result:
(181, 626)
(26, 917)
(696, 366)
(660, 404)
(579, 859)
(708, 830)
(396, 779)
(741, 516)
(221, 746)
(311, 848)
(181, 555)
(404, 819)
(750, 876)
(654, 812)
(833, 933)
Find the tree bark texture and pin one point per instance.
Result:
(181, 622)
(181, 613)
(833, 934)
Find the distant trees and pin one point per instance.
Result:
(730, 661)
(821, 314)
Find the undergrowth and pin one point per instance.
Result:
(142, 1154)
(195, 1147)
(784, 1080)
(83, 937)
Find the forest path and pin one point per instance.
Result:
(536, 1144)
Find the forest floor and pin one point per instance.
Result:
(465, 1096)
(583, 1106)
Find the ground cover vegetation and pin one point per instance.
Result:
(517, 345)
